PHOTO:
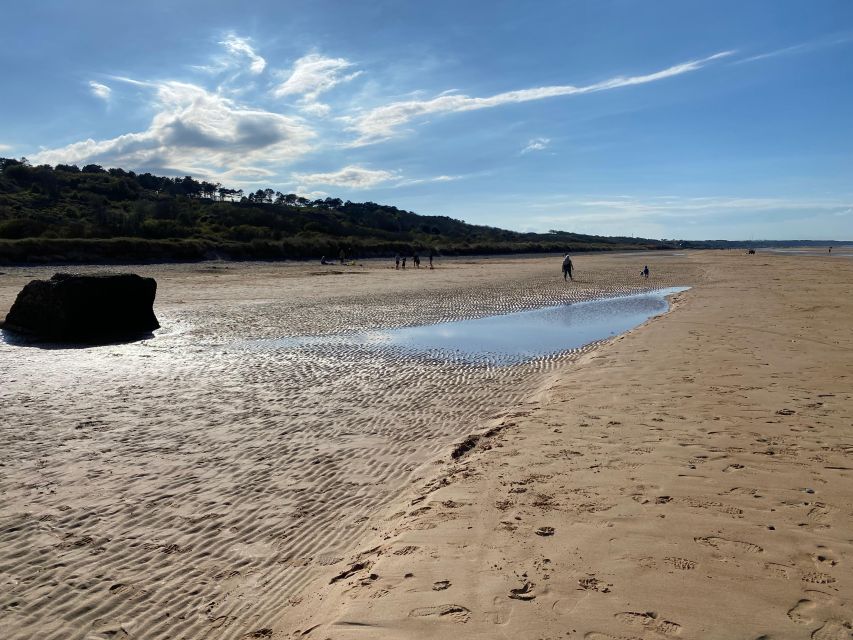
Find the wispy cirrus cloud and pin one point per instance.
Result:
(236, 52)
(352, 176)
(358, 177)
(802, 47)
(196, 131)
(101, 91)
(313, 75)
(383, 122)
(414, 181)
(536, 144)
(237, 46)
(210, 132)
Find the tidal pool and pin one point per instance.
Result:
(509, 338)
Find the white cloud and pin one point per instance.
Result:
(5, 147)
(414, 181)
(237, 52)
(536, 144)
(382, 122)
(101, 91)
(357, 177)
(351, 176)
(313, 75)
(197, 132)
(240, 47)
(316, 109)
(304, 192)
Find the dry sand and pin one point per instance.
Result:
(689, 479)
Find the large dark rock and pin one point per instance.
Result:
(85, 308)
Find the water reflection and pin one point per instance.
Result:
(511, 338)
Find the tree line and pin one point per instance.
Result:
(66, 212)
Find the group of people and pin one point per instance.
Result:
(342, 257)
(416, 260)
(400, 261)
(568, 266)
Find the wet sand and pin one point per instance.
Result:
(199, 484)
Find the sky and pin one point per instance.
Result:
(664, 119)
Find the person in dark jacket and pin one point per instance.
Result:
(567, 268)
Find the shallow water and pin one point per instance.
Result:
(510, 338)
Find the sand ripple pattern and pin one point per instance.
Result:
(187, 487)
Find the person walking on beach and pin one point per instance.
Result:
(416, 259)
(404, 262)
(397, 262)
(645, 271)
(431, 254)
(567, 268)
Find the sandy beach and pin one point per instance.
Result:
(691, 478)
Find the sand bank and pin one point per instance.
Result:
(195, 485)
(691, 479)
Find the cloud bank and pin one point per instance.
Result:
(196, 131)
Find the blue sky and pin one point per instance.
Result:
(667, 119)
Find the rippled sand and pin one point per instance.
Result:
(193, 484)
(690, 479)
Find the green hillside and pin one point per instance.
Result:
(69, 214)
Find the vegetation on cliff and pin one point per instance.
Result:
(91, 214)
(71, 214)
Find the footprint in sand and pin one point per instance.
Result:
(649, 620)
(833, 630)
(441, 585)
(802, 612)
(591, 583)
(778, 570)
(523, 593)
(681, 563)
(821, 512)
(404, 551)
(730, 546)
(824, 559)
(452, 612)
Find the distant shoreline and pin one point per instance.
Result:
(137, 251)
